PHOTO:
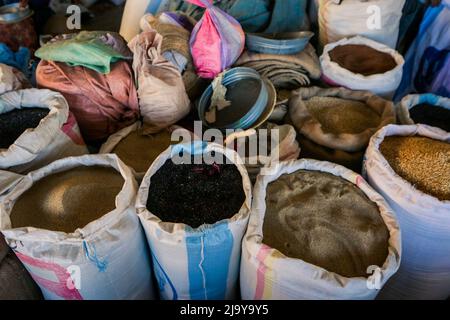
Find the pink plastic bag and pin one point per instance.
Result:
(216, 42)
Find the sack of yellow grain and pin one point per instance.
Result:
(410, 167)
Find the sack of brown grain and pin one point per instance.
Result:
(359, 63)
(36, 128)
(317, 231)
(74, 227)
(139, 149)
(336, 124)
(410, 167)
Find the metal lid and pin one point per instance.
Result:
(14, 12)
(278, 43)
(248, 95)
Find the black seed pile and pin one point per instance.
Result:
(431, 115)
(195, 194)
(15, 122)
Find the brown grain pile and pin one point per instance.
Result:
(362, 59)
(339, 116)
(326, 221)
(139, 151)
(68, 200)
(423, 162)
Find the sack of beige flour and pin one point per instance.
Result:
(359, 63)
(36, 128)
(377, 20)
(195, 213)
(317, 231)
(336, 124)
(410, 167)
(428, 109)
(138, 149)
(74, 227)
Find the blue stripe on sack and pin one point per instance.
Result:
(429, 98)
(209, 254)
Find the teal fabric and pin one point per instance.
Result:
(265, 16)
(85, 49)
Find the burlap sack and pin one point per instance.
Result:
(308, 126)
(345, 149)
(162, 96)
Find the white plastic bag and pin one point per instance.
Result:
(268, 274)
(424, 221)
(56, 137)
(377, 20)
(380, 84)
(106, 259)
(202, 263)
(413, 100)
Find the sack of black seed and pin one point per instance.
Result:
(36, 128)
(194, 205)
(428, 109)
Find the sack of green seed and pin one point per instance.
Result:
(36, 128)
(74, 226)
(336, 124)
(317, 231)
(410, 167)
(195, 215)
(428, 109)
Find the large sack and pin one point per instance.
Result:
(12, 79)
(357, 17)
(200, 263)
(280, 146)
(102, 103)
(427, 67)
(413, 100)
(345, 148)
(56, 137)
(268, 274)
(216, 42)
(153, 149)
(15, 281)
(162, 95)
(383, 84)
(424, 220)
(109, 255)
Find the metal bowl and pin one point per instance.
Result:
(278, 43)
(249, 97)
(13, 13)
